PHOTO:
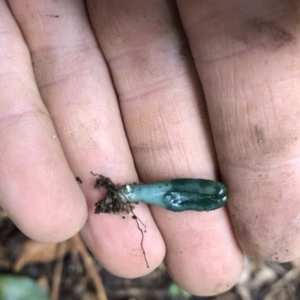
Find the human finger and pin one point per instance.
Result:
(247, 58)
(76, 86)
(37, 187)
(167, 128)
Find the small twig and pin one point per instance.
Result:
(139, 293)
(90, 267)
(61, 251)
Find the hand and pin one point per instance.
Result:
(60, 118)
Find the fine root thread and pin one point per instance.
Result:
(113, 204)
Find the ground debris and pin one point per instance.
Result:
(76, 272)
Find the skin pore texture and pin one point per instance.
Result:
(151, 91)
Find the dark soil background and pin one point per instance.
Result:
(69, 271)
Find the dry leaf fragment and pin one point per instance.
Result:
(35, 252)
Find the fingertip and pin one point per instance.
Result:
(50, 222)
(118, 244)
(203, 256)
(220, 276)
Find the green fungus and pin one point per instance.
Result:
(176, 195)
